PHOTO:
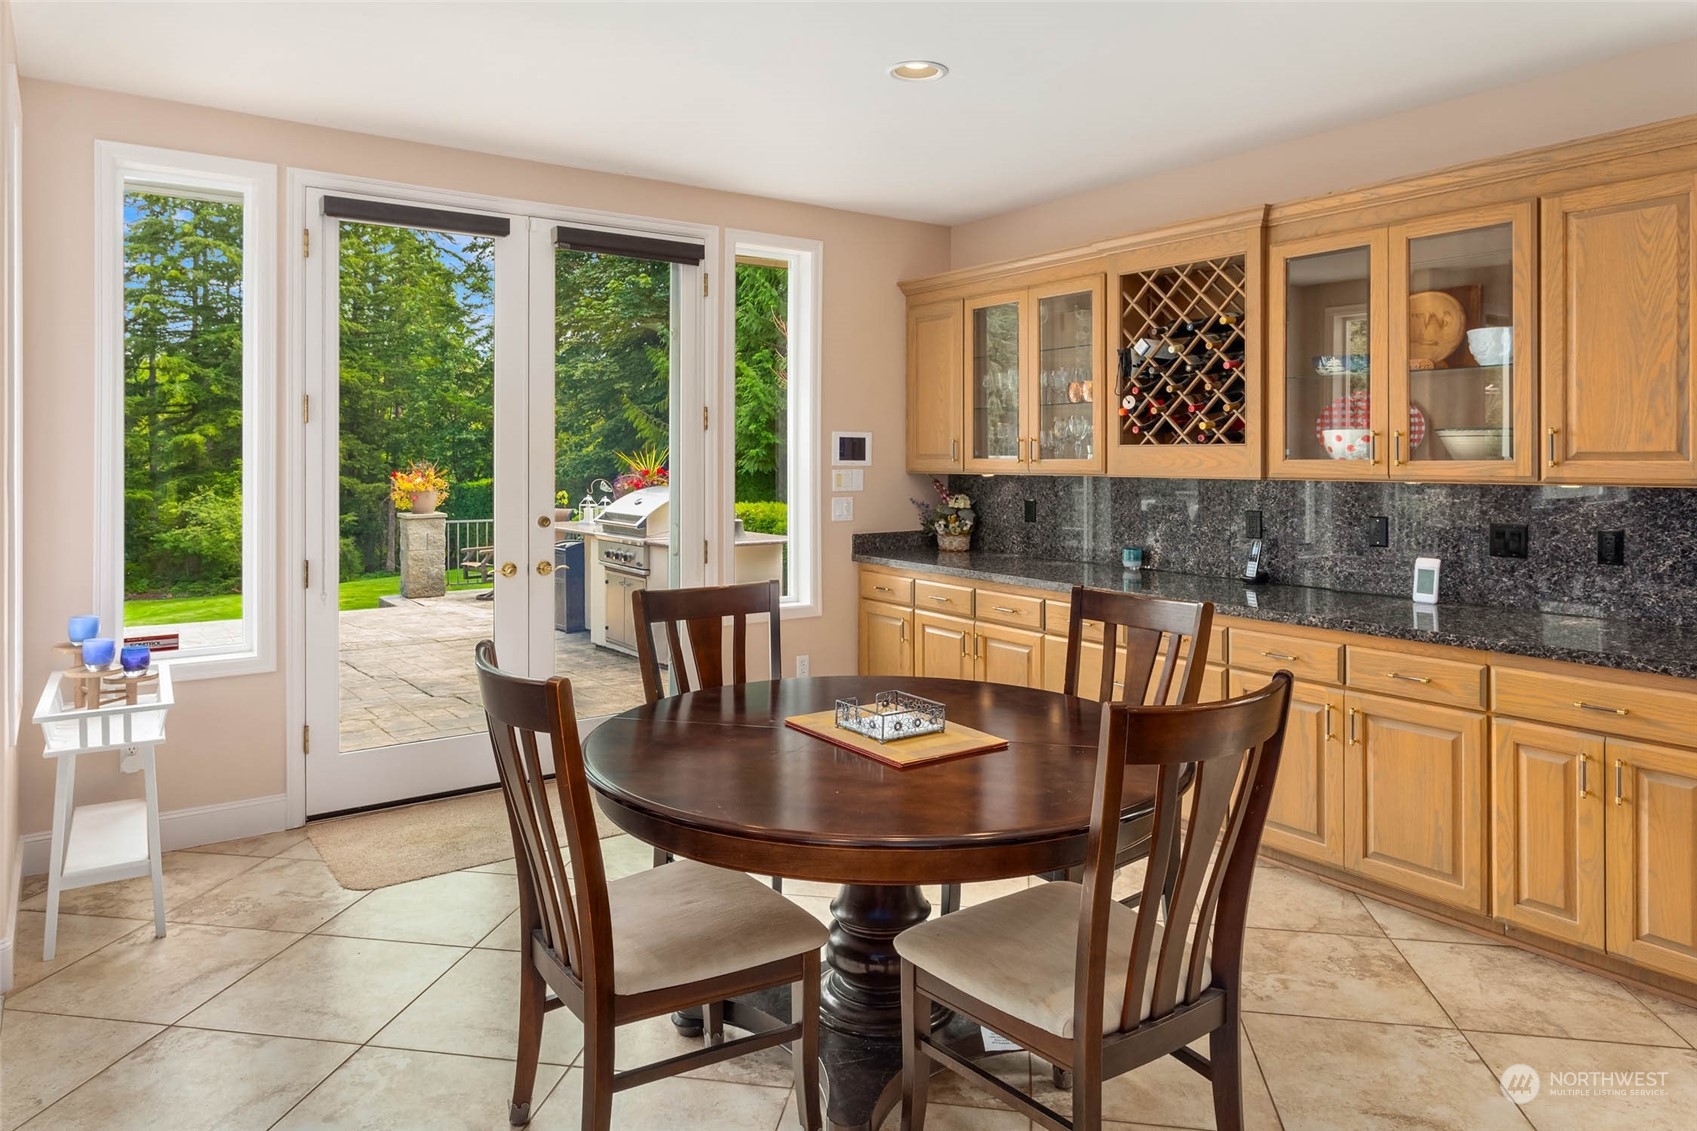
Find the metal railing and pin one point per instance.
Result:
(467, 534)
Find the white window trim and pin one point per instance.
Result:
(806, 259)
(118, 167)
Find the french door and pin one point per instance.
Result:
(527, 372)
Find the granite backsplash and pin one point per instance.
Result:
(1317, 534)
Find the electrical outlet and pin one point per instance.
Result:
(1379, 530)
(1611, 547)
(1508, 541)
(801, 666)
(1252, 524)
(1031, 510)
(842, 508)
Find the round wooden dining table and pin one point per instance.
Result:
(716, 776)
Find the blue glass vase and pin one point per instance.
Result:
(81, 628)
(98, 652)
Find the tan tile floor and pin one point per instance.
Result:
(281, 1000)
(405, 676)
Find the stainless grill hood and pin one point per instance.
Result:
(640, 514)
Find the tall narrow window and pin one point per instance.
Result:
(774, 327)
(185, 391)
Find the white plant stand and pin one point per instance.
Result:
(112, 840)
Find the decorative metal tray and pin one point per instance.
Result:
(890, 715)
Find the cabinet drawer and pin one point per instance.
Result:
(886, 587)
(1010, 609)
(1057, 616)
(955, 600)
(1216, 644)
(1429, 680)
(1269, 652)
(1593, 705)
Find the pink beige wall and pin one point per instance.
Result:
(226, 735)
(1630, 90)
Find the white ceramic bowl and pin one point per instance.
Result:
(1491, 345)
(1473, 443)
(1348, 443)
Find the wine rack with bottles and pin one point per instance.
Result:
(1181, 378)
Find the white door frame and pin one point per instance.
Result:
(528, 475)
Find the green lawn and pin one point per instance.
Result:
(358, 593)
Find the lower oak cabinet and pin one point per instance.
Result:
(942, 646)
(1596, 842)
(886, 639)
(1305, 816)
(1008, 655)
(1414, 797)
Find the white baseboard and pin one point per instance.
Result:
(6, 961)
(187, 828)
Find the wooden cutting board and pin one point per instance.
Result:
(953, 741)
(1436, 325)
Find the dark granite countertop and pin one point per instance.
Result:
(1627, 645)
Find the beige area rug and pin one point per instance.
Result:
(410, 842)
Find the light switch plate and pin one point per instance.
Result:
(842, 508)
(851, 479)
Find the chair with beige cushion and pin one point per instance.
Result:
(1165, 646)
(643, 946)
(1088, 984)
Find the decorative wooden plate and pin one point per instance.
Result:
(1437, 324)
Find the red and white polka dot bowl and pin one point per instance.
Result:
(1348, 443)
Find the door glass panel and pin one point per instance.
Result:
(764, 453)
(1460, 343)
(1066, 351)
(614, 353)
(995, 382)
(417, 371)
(1328, 411)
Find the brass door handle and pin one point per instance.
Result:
(1584, 777)
(954, 451)
(1396, 448)
(544, 521)
(1329, 733)
(1354, 739)
(1620, 791)
(508, 569)
(1552, 447)
(1034, 456)
(544, 568)
(1373, 440)
(1583, 706)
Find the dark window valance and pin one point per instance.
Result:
(630, 246)
(413, 216)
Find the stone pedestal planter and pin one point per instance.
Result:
(424, 550)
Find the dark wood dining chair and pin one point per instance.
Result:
(1165, 645)
(700, 613)
(638, 947)
(1095, 987)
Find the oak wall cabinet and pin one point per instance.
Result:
(1407, 352)
(1619, 389)
(935, 387)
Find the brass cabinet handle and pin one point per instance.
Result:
(882, 589)
(1034, 456)
(954, 451)
(1410, 678)
(544, 568)
(1374, 438)
(1584, 777)
(1005, 609)
(1022, 449)
(1620, 791)
(1583, 706)
(508, 569)
(1354, 739)
(1396, 448)
(901, 625)
(1279, 655)
(1329, 734)
(945, 600)
(1552, 447)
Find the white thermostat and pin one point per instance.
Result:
(851, 449)
(1426, 580)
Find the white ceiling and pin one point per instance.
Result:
(791, 100)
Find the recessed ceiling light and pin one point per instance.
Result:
(918, 70)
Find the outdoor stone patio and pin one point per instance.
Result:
(406, 671)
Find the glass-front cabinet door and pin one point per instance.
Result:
(995, 390)
(1461, 359)
(1066, 416)
(1327, 380)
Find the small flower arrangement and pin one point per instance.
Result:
(646, 468)
(951, 519)
(421, 477)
